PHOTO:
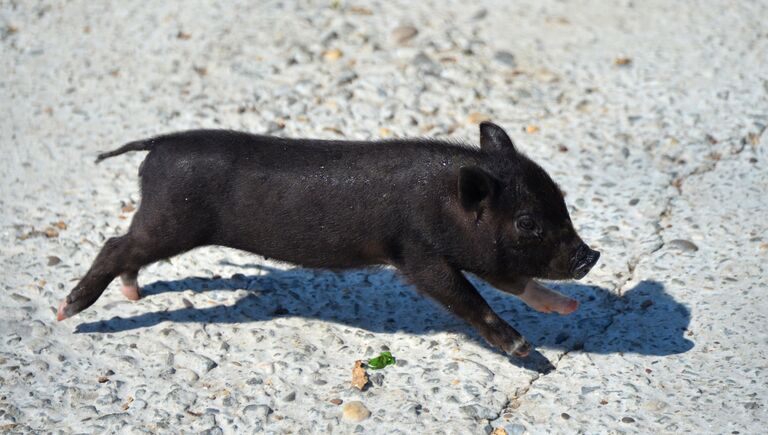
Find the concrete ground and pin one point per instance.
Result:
(650, 114)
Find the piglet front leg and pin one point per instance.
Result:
(547, 300)
(449, 287)
(536, 295)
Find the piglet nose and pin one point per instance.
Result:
(583, 261)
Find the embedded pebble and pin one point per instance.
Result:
(683, 245)
(515, 429)
(477, 411)
(355, 412)
(505, 58)
(199, 364)
(403, 34)
(137, 405)
(257, 412)
(266, 368)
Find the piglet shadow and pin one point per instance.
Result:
(645, 320)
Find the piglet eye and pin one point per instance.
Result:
(526, 223)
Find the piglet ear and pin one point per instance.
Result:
(475, 186)
(494, 139)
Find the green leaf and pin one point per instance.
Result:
(384, 359)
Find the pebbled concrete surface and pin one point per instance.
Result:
(652, 116)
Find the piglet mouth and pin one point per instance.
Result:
(583, 261)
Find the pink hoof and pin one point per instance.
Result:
(60, 314)
(131, 292)
(569, 307)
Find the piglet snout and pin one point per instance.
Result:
(583, 261)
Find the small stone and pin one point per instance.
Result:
(20, 298)
(683, 245)
(103, 379)
(355, 411)
(622, 61)
(627, 420)
(516, 429)
(565, 416)
(257, 412)
(266, 368)
(336, 402)
(53, 260)
(531, 129)
(359, 10)
(499, 431)
(187, 375)
(425, 63)
(377, 379)
(634, 201)
(127, 208)
(198, 363)
(403, 34)
(655, 405)
(346, 77)
(478, 412)
(480, 14)
(137, 405)
(753, 139)
(51, 232)
(451, 367)
(477, 118)
(505, 58)
(290, 397)
(332, 55)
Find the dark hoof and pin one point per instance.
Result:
(523, 349)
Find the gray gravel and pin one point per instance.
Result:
(651, 115)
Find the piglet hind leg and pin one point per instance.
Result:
(449, 287)
(105, 268)
(121, 256)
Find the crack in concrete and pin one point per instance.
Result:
(665, 214)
